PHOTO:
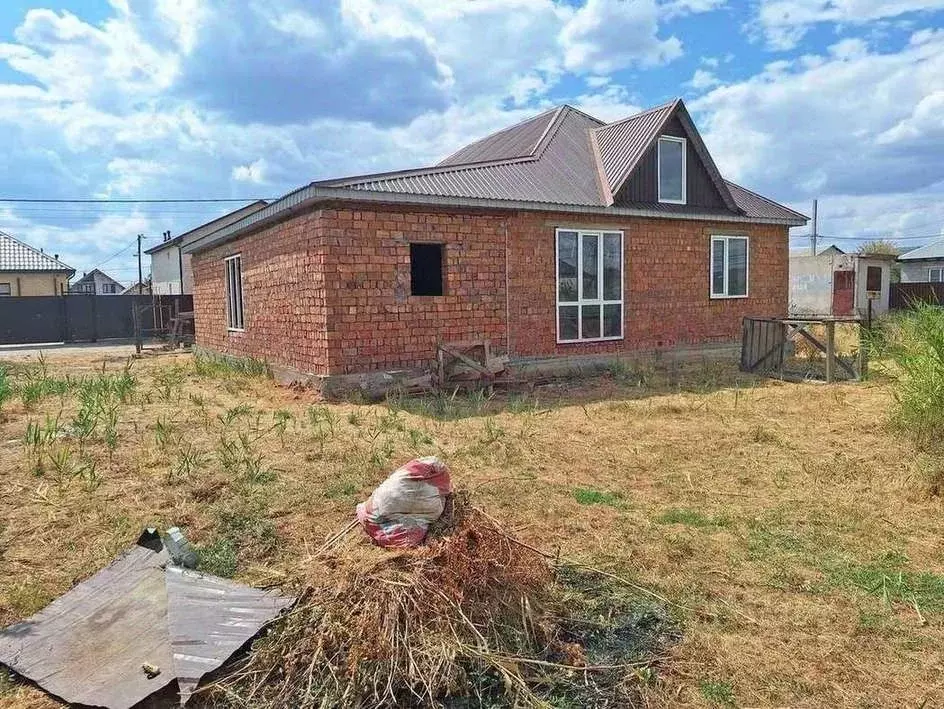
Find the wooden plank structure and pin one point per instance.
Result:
(467, 361)
(765, 345)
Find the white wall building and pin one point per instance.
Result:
(836, 283)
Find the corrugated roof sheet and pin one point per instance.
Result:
(517, 141)
(17, 256)
(564, 172)
(754, 205)
(933, 250)
(622, 143)
(209, 227)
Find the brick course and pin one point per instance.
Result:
(328, 292)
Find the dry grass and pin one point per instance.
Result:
(793, 531)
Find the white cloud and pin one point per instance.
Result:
(255, 172)
(785, 22)
(703, 79)
(604, 36)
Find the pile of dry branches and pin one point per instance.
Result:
(463, 619)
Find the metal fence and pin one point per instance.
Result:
(904, 296)
(86, 318)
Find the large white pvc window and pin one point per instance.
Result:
(589, 285)
(729, 266)
(672, 170)
(234, 293)
(936, 275)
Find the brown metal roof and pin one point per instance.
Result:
(17, 256)
(518, 141)
(209, 227)
(561, 159)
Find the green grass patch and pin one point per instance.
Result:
(207, 364)
(692, 518)
(718, 692)
(888, 578)
(589, 496)
(219, 558)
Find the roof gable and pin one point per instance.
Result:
(18, 256)
(624, 145)
(90, 276)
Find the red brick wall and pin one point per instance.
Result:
(665, 282)
(284, 303)
(329, 292)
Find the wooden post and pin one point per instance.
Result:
(864, 340)
(830, 351)
(136, 319)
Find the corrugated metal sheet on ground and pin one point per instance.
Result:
(90, 646)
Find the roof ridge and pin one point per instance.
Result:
(38, 252)
(506, 129)
(660, 107)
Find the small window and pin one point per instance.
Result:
(729, 266)
(5, 289)
(873, 278)
(672, 170)
(936, 275)
(426, 269)
(234, 293)
(589, 285)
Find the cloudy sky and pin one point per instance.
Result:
(164, 99)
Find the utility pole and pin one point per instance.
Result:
(814, 233)
(141, 278)
(135, 311)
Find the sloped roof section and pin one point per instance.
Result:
(517, 141)
(18, 256)
(623, 143)
(754, 205)
(561, 172)
(934, 250)
(209, 227)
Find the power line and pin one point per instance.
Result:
(20, 200)
(868, 238)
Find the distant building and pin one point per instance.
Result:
(170, 267)
(924, 264)
(25, 270)
(138, 289)
(96, 283)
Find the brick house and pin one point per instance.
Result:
(561, 235)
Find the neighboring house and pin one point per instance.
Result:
(839, 284)
(138, 289)
(28, 271)
(96, 283)
(561, 235)
(924, 264)
(171, 273)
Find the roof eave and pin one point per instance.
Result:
(313, 195)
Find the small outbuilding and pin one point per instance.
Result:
(839, 284)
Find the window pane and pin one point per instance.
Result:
(590, 321)
(612, 267)
(591, 276)
(612, 320)
(567, 266)
(717, 266)
(935, 275)
(737, 267)
(670, 169)
(873, 278)
(568, 322)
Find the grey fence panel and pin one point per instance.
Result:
(36, 319)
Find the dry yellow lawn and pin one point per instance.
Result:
(793, 530)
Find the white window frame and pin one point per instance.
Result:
(673, 139)
(581, 301)
(940, 274)
(711, 261)
(9, 289)
(233, 275)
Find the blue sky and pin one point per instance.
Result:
(842, 100)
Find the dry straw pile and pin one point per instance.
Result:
(474, 618)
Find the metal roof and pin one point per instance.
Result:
(560, 160)
(17, 256)
(209, 227)
(934, 250)
(517, 141)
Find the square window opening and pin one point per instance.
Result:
(426, 269)
(936, 275)
(729, 266)
(6, 289)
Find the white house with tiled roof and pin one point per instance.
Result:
(25, 270)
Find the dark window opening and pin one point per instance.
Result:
(426, 269)
(873, 278)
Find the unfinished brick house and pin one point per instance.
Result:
(561, 235)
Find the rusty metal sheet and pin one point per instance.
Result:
(100, 643)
